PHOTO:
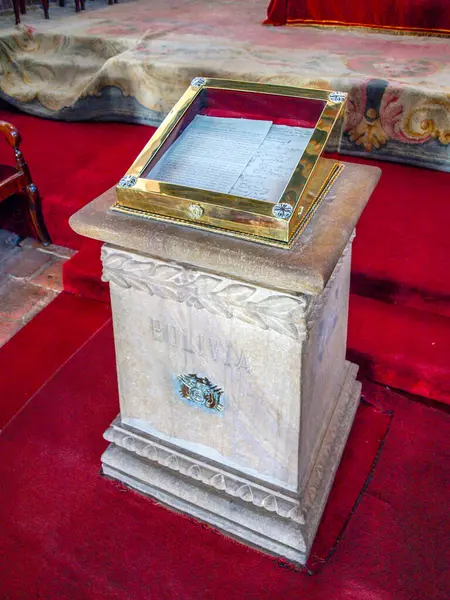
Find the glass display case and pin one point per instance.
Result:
(238, 158)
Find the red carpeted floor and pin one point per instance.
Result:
(68, 533)
(40, 349)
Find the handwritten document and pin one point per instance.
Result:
(270, 169)
(211, 153)
(243, 157)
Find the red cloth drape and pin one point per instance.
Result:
(421, 15)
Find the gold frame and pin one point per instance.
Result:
(276, 224)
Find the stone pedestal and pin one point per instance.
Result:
(235, 396)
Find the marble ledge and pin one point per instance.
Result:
(306, 268)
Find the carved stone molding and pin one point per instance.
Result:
(257, 306)
(205, 474)
(290, 523)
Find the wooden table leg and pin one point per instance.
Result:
(16, 11)
(45, 7)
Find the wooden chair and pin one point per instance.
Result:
(17, 179)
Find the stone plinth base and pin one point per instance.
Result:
(261, 516)
(235, 396)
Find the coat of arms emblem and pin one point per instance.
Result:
(200, 391)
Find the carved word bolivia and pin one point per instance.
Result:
(259, 307)
(207, 348)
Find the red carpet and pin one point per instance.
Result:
(402, 247)
(69, 533)
(38, 350)
(82, 273)
(369, 429)
(406, 348)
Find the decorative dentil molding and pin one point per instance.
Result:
(260, 307)
(205, 474)
(305, 510)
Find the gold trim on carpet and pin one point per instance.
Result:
(417, 31)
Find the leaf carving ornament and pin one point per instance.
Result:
(218, 296)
